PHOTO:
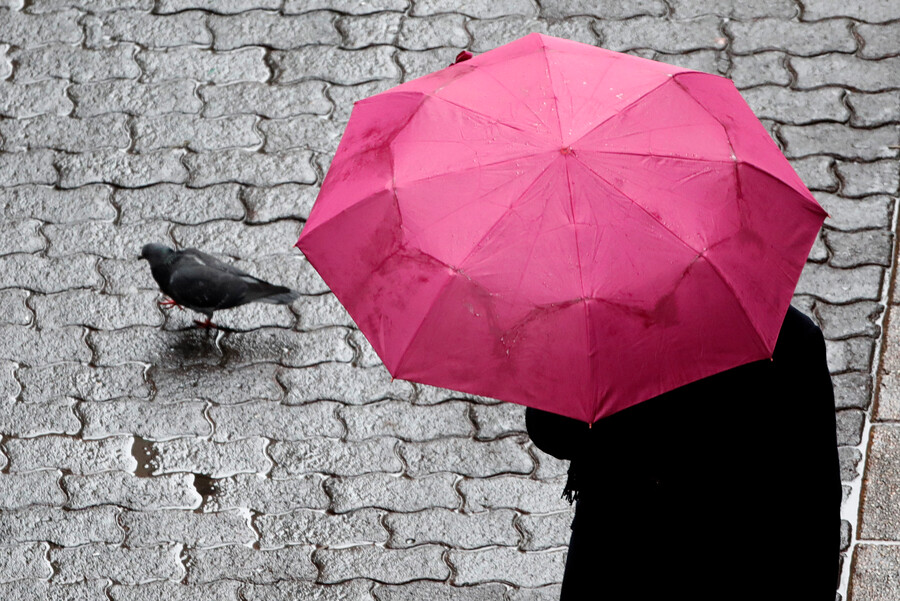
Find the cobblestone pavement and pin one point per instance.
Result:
(143, 460)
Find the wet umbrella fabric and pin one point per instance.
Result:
(562, 226)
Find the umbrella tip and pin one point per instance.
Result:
(463, 56)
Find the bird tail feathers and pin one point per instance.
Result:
(280, 296)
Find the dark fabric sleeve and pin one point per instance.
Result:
(562, 437)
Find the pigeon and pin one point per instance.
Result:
(202, 283)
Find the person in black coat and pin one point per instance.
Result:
(726, 488)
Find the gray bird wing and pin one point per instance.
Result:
(192, 255)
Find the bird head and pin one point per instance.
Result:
(156, 254)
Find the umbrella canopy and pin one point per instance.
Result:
(562, 226)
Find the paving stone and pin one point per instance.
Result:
(41, 590)
(33, 419)
(150, 345)
(735, 9)
(119, 96)
(840, 140)
(548, 466)
(819, 252)
(888, 407)
(879, 502)
(391, 492)
(41, 347)
(95, 310)
(438, 591)
(789, 106)
(417, 64)
(21, 236)
(25, 29)
(18, 562)
(65, 527)
(236, 239)
(407, 422)
(223, 590)
(366, 355)
(875, 572)
(493, 421)
(125, 276)
(852, 354)
(550, 592)
(273, 30)
(391, 566)
(369, 30)
(57, 206)
(286, 201)
(431, 395)
(849, 427)
(179, 204)
(816, 172)
(275, 420)
(523, 494)
(120, 168)
(216, 6)
(855, 319)
(91, 6)
(250, 168)
(149, 420)
(308, 527)
(548, 531)
(266, 100)
(480, 9)
(267, 495)
(152, 528)
(463, 456)
(322, 311)
(874, 109)
(758, 69)
(310, 132)
(850, 458)
(195, 133)
(874, 11)
(33, 167)
(661, 35)
(21, 101)
(353, 7)
(853, 390)
(124, 489)
(841, 285)
(869, 247)
(433, 32)
(879, 41)
(29, 488)
(15, 311)
(103, 238)
(452, 528)
(217, 460)
(291, 590)
(604, 9)
(334, 65)
(845, 70)
(123, 566)
(221, 386)
(343, 96)
(247, 564)
(862, 179)
(798, 39)
(77, 456)
(848, 214)
(201, 65)
(75, 63)
(708, 61)
(342, 382)
(487, 35)
(186, 28)
(335, 457)
(503, 564)
(292, 349)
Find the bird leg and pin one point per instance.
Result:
(206, 324)
(168, 304)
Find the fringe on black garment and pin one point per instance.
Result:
(570, 492)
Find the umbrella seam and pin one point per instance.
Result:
(700, 254)
(512, 95)
(473, 168)
(543, 48)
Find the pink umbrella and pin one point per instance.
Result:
(562, 226)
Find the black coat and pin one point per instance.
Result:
(727, 488)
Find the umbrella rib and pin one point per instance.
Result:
(512, 95)
(472, 168)
(480, 114)
(552, 89)
(728, 285)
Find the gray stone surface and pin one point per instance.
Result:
(390, 566)
(509, 565)
(392, 492)
(274, 102)
(124, 566)
(201, 530)
(879, 500)
(874, 109)
(250, 565)
(267, 495)
(875, 573)
(862, 179)
(307, 527)
(452, 528)
(124, 489)
(797, 39)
